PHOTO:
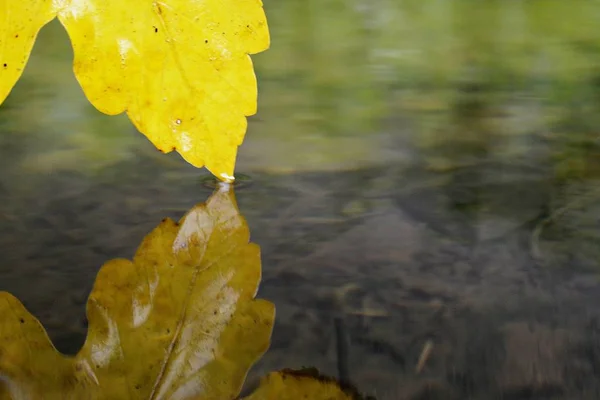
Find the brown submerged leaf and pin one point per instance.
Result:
(307, 383)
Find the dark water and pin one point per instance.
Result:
(424, 172)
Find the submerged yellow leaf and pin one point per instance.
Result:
(302, 384)
(180, 69)
(179, 321)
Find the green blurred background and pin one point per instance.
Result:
(344, 80)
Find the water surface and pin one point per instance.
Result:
(425, 172)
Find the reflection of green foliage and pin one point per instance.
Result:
(49, 118)
(577, 156)
(337, 68)
(576, 140)
(327, 44)
(338, 73)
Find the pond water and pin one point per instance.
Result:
(425, 185)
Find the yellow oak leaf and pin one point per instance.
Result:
(178, 322)
(302, 384)
(180, 69)
(20, 22)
